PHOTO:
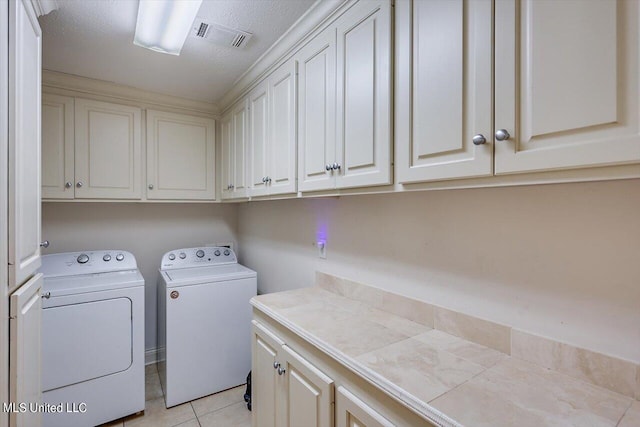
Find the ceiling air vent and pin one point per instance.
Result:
(219, 34)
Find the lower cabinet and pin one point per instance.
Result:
(287, 389)
(353, 412)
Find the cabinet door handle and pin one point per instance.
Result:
(479, 139)
(281, 371)
(268, 179)
(328, 167)
(336, 166)
(150, 186)
(79, 184)
(68, 184)
(502, 135)
(276, 365)
(44, 244)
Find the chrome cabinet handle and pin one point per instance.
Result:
(44, 244)
(79, 184)
(264, 179)
(281, 371)
(68, 184)
(336, 166)
(268, 179)
(150, 186)
(46, 295)
(276, 365)
(502, 135)
(479, 139)
(328, 167)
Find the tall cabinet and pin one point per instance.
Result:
(24, 239)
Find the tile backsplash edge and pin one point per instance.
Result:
(624, 379)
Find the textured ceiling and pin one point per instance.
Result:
(94, 38)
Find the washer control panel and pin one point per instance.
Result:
(87, 262)
(197, 257)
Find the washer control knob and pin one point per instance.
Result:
(217, 252)
(172, 257)
(200, 253)
(227, 252)
(182, 255)
(119, 257)
(83, 259)
(106, 258)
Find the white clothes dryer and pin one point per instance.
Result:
(204, 322)
(92, 337)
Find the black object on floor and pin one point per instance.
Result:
(247, 393)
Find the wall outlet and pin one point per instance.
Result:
(322, 249)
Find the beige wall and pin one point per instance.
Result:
(146, 230)
(562, 261)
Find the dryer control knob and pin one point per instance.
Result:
(106, 258)
(227, 252)
(200, 253)
(172, 257)
(83, 259)
(217, 253)
(119, 257)
(182, 255)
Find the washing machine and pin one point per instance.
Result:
(204, 322)
(92, 337)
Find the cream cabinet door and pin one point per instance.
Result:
(353, 412)
(25, 351)
(180, 157)
(444, 89)
(57, 147)
(316, 112)
(258, 140)
(364, 70)
(25, 41)
(308, 395)
(265, 384)
(567, 84)
(108, 162)
(239, 142)
(282, 129)
(226, 156)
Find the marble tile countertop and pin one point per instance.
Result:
(446, 379)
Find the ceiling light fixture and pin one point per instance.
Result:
(163, 25)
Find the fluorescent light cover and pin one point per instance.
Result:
(163, 25)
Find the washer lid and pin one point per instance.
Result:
(219, 273)
(71, 285)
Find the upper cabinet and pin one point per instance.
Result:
(272, 133)
(25, 41)
(566, 87)
(234, 148)
(94, 150)
(567, 84)
(444, 89)
(108, 150)
(180, 157)
(57, 147)
(344, 101)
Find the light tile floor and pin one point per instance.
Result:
(224, 409)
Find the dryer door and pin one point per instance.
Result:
(84, 341)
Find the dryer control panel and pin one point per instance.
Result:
(87, 262)
(198, 257)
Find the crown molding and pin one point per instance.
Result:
(43, 7)
(318, 15)
(84, 86)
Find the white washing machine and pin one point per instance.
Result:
(204, 322)
(92, 337)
